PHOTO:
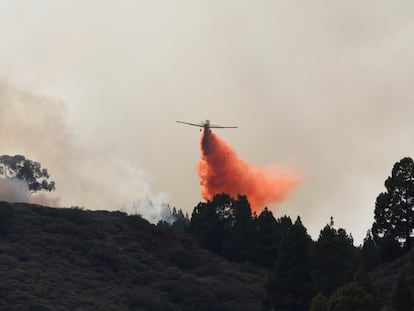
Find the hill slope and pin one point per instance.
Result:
(69, 259)
(384, 278)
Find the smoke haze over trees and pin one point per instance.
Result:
(94, 178)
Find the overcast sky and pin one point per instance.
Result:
(92, 90)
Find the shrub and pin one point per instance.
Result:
(136, 222)
(76, 215)
(351, 296)
(319, 303)
(144, 299)
(401, 296)
(107, 256)
(182, 258)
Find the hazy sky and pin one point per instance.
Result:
(92, 90)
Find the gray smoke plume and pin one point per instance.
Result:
(35, 126)
(153, 209)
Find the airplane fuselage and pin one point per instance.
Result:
(207, 125)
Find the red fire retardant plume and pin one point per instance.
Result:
(222, 171)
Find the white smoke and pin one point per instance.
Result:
(13, 190)
(17, 190)
(153, 209)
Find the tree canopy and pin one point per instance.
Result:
(319, 303)
(290, 287)
(27, 170)
(334, 259)
(351, 296)
(394, 213)
(222, 224)
(370, 253)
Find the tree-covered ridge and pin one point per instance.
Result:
(302, 268)
(223, 258)
(71, 259)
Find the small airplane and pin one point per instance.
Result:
(207, 126)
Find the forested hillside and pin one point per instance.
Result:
(69, 259)
(386, 275)
(222, 258)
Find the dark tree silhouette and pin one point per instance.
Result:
(181, 221)
(370, 253)
(237, 235)
(290, 287)
(206, 226)
(223, 225)
(266, 237)
(334, 259)
(29, 171)
(394, 209)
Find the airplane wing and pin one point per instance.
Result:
(222, 127)
(193, 124)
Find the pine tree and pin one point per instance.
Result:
(290, 286)
(223, 226)
(370, 253)
(265, 239)
(334, 260)
(394, 209)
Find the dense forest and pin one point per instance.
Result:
(223, 257)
